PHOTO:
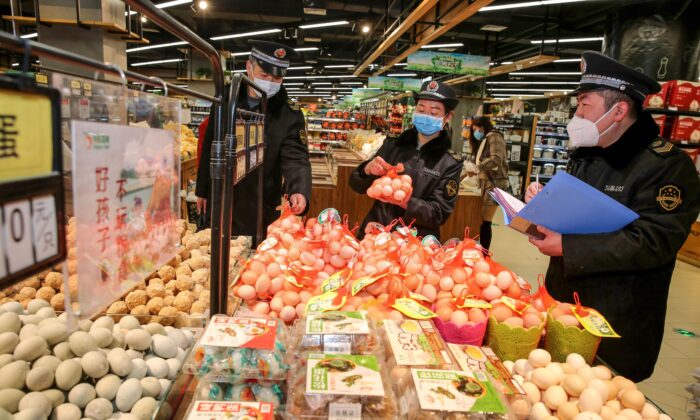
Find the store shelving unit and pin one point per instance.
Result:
(683, 144)
(199, 111)
(518, 133)
(550, 150)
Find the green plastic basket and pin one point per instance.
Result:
(560, 341)
(512, 343)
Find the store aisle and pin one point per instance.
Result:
(679, 354)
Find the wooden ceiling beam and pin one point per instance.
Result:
(411, 19)
(456, 16)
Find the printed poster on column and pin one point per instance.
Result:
(125, 189)
(452, 63)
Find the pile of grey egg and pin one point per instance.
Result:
(102, 370)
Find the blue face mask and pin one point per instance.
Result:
(478, 135)
(427, 124)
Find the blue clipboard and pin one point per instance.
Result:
(568, 205)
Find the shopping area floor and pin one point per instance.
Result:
(679, 354)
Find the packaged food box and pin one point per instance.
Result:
(211, 410)
(235, 347)
(415, 343)
(333, 386)
(245, 390)
(686, 129)
(684, 95)
(665, 123)
(659, 100)
(334, 332)
(483, 359)
(453, 395)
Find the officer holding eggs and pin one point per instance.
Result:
(425, 153)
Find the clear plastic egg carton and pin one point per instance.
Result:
(335, 332)
(341, 386)
(240, 348)
(415, 343)
(451, 395)
(225, 410)
(245, 390)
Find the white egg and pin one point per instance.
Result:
(590, 401)
(540, 411)
(554, 396)
(539, 358)
(576, 360)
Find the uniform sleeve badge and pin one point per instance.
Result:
(669, 197)
(302, 136)
(451, 188)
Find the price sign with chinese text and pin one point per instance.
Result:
(125, 185)
(31, 204)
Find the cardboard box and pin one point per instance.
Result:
(684, 95)
(686, 129)
(659, 100)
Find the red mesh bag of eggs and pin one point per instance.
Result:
(541, 299)
(566, 335)
(514, 328)
(392, 188)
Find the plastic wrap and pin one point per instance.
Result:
(232, 348)
(334, 332)
(213, 410)
(341, 386)
(449, 394)
(246, 390)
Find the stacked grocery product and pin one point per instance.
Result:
(365, 142)
(676, 110)
(100, 369)
(240, 359)
(188, 140)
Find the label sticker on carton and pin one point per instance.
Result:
(343, 375)
(252, 333)
(416, 343)
(336, 322)
(455, 391)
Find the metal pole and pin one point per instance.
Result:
(544, 29)
(12, 12)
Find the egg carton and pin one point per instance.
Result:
(245, 390)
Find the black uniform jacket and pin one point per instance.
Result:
(625, 275)
(286, 156)
(435, 174)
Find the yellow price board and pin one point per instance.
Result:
(26, 135)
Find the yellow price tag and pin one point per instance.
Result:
(75, 84)
(595, 323)
(26, 135)
(363, 282)
(323, 303)
(412, 309)
(293, 280)
(335, 281)
(41, 78)
(473, 303)
(515, 305)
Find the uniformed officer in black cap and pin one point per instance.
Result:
(626, 274)
(425, 151)
(287, 152)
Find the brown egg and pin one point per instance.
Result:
(532, 392)
(543, 378)
(554, 396)
(614, 405)
(632, 398)
(650, 412)
(623, 383)
(590, 401)
(574, 384)
(521, 408)
(602, 372)
(568, 411)
(607, 413)
(631, 414)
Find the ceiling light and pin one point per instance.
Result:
(152, 47)
(493, 28)
(334, 97)
(144, 19)
(402, 74)
(400, 64)
(15, 64)
(202, 4)
(30, 36)
(364, 86)
(246, 34)
(546, 73)
(321, 83)
(528, 90)
(293, 84)
(312, 39)
(306, 49)
(567, 40)
(350, 83)
(340, 66)
(365, 29)
(239, 71)
(240, 54)
(515, 82)
(333, 76)
(568, 60)
(323, 25)
(333, 88)
(526, 4)
(456, 44)
(300, 68)
(166, 5)
(150, 63)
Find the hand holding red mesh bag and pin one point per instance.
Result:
(392, 188)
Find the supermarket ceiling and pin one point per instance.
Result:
(334, 36)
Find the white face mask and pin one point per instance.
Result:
(584, 133)
(271, 88)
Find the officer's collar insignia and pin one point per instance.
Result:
(669, 197)
(451, 189)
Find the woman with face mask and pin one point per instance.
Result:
(425, 151)
(493, 171)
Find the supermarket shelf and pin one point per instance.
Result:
(533, 176)
(686, 145)
(556, 124)
(522, 143)
(318, 152)
(672, 111)
(199, 113)
(551, 134)
(332, 119)
(331, 142)
(325, 130)
(548, 160)
(547, 146)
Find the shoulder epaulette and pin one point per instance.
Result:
(294, 106)
(455, 155)
(661, 147)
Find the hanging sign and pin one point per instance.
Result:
(452, 63)
(32, 235)
(399, 84)
(125, 184)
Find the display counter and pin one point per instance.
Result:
(331, 188)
